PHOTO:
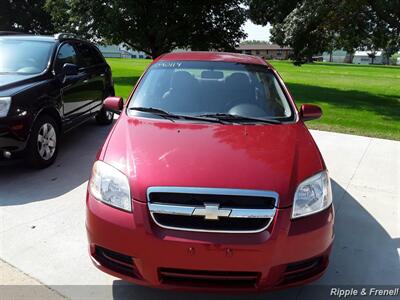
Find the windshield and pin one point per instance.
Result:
(208, 88)
(24, 56)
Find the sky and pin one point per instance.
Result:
(256, 32)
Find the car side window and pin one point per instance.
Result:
(87, 55)
(66, 54)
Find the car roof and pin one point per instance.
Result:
(213, 56)
(43, 38)
(29, 37)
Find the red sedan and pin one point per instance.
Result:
(210, 180)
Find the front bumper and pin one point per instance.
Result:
(14, 133)
(288, 253)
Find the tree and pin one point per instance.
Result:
(304, 31)
(153, 26)
(387, 31)
(372, 56)
(24, 16)
(313, 26)
(252, 42)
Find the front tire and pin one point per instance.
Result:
(43, 141)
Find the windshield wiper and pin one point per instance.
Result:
(238, 118)
(150, 110)
(156, 111)
(170, 116)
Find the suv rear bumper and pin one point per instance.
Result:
(130, 246)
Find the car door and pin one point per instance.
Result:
(93, 65)
(74, 91)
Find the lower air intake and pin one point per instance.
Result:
(200, 278)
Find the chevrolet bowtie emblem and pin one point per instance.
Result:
(211, 211)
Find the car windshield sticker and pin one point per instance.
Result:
(168, 64)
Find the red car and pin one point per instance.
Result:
(210, 180)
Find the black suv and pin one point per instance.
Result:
(48, 85)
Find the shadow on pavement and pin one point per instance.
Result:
(364, 255)
(20, 185)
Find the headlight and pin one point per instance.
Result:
(5, 103)
(111, 186)
(312, 195)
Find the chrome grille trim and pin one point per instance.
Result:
(183, 210)
(192, 210)
(168, 209)
(211, 191)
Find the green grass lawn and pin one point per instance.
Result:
(362, 100)
(125, 73)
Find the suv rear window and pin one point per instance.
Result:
(87, 55)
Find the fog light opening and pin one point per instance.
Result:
(7, 154)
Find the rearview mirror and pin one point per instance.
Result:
(310, 112)
(70, 69)
(114, 104)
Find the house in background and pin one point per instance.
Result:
(337, 56)
(358, 58)
(364, 58)
(265, 50)
(119, 51)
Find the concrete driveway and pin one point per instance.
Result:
(42, 215)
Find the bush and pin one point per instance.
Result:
(394, 59)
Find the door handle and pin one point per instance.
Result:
(102, 74)
(86, 81)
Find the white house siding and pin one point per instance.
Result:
(362, 58)
(119, 51)
(338, 56)
(111, 54)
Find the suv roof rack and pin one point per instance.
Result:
(11, 33)
(65, 35)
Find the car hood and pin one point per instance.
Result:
(10, 83)
(164, 153)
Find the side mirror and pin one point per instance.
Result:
(70, 69)
(114, 104)
(310, 112)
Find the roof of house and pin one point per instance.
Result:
(212, 56)
(109, 48)
(119, 49)
(261, 46)
(365, 53)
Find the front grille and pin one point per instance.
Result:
(237, 201)
(212, 209)
(200, 278)
(195, 222)
(117, 262)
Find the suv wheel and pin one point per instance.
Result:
(104, 117)
(42, 146)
